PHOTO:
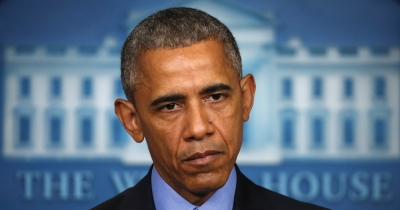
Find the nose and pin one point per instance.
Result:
(198, 123)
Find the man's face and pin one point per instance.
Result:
(190, 107)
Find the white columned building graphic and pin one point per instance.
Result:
(328, 102)
(336, 102)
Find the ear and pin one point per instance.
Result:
(129, 118)
(248, 88)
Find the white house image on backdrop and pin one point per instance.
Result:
(327, 102)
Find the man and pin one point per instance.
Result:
(182, 75)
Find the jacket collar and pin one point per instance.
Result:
(247, 195)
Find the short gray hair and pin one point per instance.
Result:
(169, 29)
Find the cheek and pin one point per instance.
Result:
(229, 118)
(226, 114)
(230, 130)
(163, 139)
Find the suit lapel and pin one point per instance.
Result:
(248, 195)
(140, 197)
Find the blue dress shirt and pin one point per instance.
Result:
(165, 198)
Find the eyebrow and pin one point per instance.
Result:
(215, 88)
(176, 97)
(166, 98)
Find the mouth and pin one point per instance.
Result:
(203, 158)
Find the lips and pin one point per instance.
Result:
(203, 158)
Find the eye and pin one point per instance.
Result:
(170, 106)
(216, 97)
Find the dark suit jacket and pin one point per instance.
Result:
(248, 196)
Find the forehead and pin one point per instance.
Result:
(195, 49)
(198, 64)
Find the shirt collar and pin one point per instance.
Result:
(165, 198)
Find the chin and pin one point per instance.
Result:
(206, 183)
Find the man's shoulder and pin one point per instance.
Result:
(251, 196)
(114, 202)
(136, 197)
(280, 201)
